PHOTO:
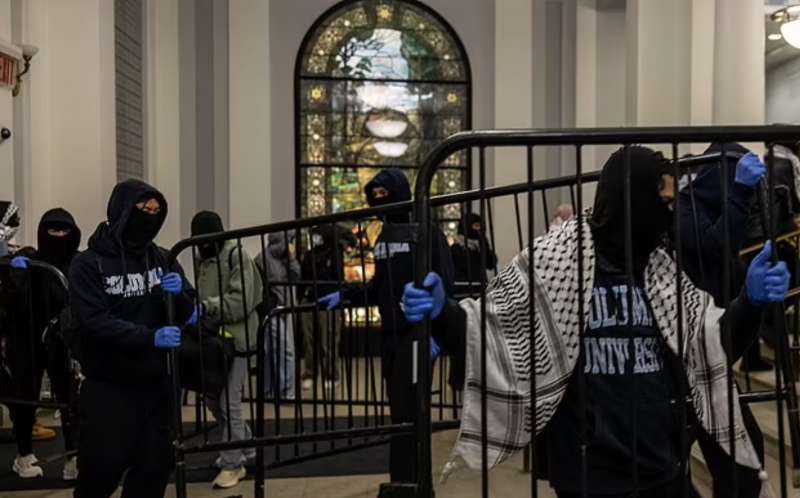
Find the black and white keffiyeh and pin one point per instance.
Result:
(556, 336)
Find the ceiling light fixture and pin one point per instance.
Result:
(774, 37)
(789, 19)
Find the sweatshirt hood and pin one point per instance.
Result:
(707, 187)
(393, 180)
(108, 236)
(396, 183)
(58, 251)
(650, 217)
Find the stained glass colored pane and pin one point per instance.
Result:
(381, 84)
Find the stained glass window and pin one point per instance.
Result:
(381, 83)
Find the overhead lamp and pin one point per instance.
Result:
(774, 37)
(789, 19)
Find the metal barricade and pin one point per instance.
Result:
(784, 394)
(31, 342)
(311, 417)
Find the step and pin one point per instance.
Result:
(701, 477)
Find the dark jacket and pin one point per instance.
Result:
(35, 296)
(323, 263)
(785, 202)
(117, 298)
(702, 230)
(466, 252)
(395, 258)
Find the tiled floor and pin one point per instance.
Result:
(505, 481)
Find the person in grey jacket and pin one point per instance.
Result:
(279, 268)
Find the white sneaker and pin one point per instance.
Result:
(308, 384)
(229, 478)
(70, 472)
(26, 468)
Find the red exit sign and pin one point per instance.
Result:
(8, 70)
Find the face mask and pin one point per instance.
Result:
(650, 216)
(207, 251)
(56, 250)
(141, 229)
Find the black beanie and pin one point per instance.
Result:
(206, 222)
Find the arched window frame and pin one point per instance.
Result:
(337, 13)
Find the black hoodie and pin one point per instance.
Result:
(394, 255)
(466, 252)
(116, 296)
(702, 231)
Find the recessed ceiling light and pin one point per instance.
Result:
(774, 36)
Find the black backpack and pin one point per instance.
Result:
(205, 358)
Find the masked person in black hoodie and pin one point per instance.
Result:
(394, 266)
(634, 372)
(118, 292)
(467, 257)
(58, 240)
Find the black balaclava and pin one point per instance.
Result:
(396, 183)
(58, 251)
(650, 217)
(141, 229)
(204, 223)
(465, 226)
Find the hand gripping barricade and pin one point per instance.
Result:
(327, 418)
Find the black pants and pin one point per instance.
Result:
(124, 429)
(672, 489)
(55, 360)
(397, 371)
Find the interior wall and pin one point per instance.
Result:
(69, 147)
(288, 24)
(611, 70)
(783, 93)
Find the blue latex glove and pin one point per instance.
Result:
(168, 337)
(198, 313)
(331, 301)
(172, 283)
(766, 282)
(419, 303)
(436, 351)
(20, 262)
(750, 170)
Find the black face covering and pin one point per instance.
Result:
(140, 230)
(465, 226)
(650, 217)
(57, 251)
(204, 223)
(208, 251)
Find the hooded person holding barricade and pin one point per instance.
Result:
(118, 293)
(42, 345)
(394, 265)
(627, 351)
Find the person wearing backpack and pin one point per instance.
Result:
(118, 295)
(229, 289)
(278, 266)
